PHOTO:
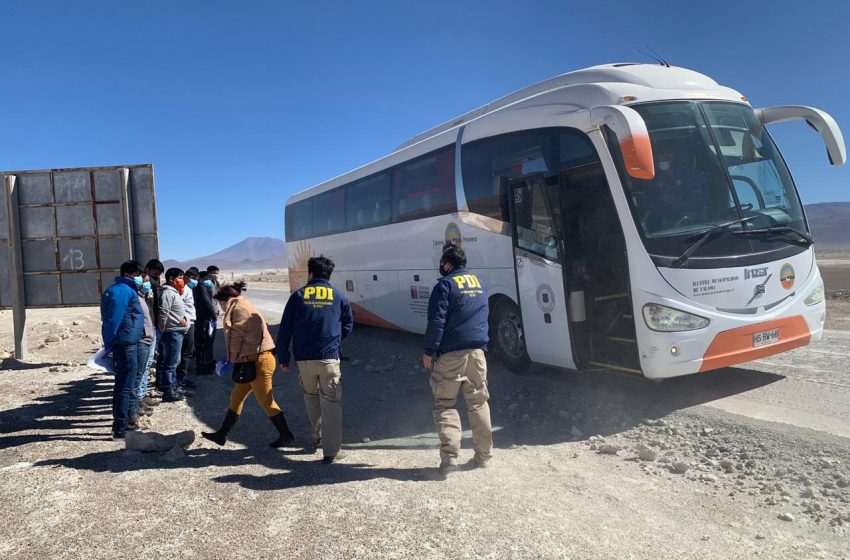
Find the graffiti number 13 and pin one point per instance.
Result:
(74, 258)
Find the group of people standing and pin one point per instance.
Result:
(316, 320)
(148, 314)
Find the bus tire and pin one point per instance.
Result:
(506, 338)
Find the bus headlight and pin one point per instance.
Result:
(816, 295)
(667, 319)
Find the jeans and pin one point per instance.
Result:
(144, 356)
(126, 359)
(166, 368)
(186, 353)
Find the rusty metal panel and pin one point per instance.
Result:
(107, 184)
(37, 222)
(142, 200)
(5, 276)
(34, 188)
(80, 289)
(42, 290)
(74, 231)
(110, 219)
(75, 221)
(72, 186)
(39, 256)
(78, 254)
(111, 253)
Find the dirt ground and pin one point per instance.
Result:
(590, 465)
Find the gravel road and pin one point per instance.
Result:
(746, 462)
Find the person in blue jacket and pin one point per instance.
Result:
(317, 318)
(455, 340)
(123, 325)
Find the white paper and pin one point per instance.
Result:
(102, 362)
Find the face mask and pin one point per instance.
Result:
(146, 287)
(208, 283)
(193, 284)
(179, 284)
(442, 270)
(139, 281)
(664, 165)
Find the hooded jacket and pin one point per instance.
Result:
(121, 314)
(171, 311)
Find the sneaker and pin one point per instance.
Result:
(334, 458)
(187, 384)
(174, 397)
(151, 401)
(448, 466)
(117, 435)
(145, 410)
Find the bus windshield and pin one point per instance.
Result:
(714, 163)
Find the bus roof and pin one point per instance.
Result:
(598, 85)
(653, 76)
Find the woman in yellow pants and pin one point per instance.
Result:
(247, 339)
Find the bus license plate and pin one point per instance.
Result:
(765, 337)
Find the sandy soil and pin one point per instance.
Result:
(586, 466)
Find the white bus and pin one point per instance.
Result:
(626, 217)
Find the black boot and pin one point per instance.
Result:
(220, 436)
(286, 436)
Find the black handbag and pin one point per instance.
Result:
(244, 372)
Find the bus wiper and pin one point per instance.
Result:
(703, 237)
(805, 239)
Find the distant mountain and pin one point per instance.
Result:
(830, 224)
(253, 253)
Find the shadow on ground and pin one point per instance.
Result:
(82, 404)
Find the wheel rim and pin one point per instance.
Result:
(509, 334)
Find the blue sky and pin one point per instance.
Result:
(240, 104)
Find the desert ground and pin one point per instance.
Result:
(745, 462)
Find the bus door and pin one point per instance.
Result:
(539, 274)
(596, 273)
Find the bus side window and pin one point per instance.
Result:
(368, 202)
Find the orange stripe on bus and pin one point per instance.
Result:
(366, 317)
(736, 345)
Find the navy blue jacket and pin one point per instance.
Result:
(317, 318)
(121, 314)
(204, 308)
(457, 314)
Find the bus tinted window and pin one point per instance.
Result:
(425, 187)
(299, 220)
(519, 154)
(369, 202)
(329, 212)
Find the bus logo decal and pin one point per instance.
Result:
(453, 235)
(545, 298)
(786, 276)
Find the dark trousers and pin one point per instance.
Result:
(203, 348)
(171, 342)
(186, 352)
(125, 357)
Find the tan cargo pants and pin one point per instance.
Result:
(463, 370)
(321, 384)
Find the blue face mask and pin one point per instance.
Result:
(192, 284)
(208, 283)
(146, 287)
(138, 280)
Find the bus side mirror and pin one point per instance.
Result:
(817, 119)
(632, 136)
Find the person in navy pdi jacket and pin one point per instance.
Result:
(123, 324)
(457, 334)
(317, 318)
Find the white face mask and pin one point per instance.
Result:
(664, 165)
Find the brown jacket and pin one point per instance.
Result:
(245, 330)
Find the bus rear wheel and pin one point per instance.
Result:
(506, 336)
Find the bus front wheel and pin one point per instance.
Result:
(506, 336)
